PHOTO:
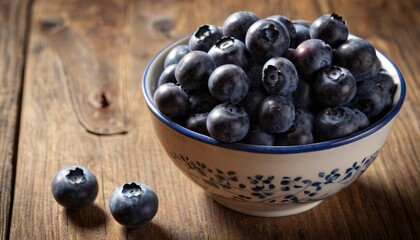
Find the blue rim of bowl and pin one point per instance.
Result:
(272, 149)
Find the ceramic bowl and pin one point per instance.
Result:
(265, 180)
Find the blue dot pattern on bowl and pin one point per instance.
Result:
(271, 189)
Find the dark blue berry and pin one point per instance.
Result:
(238, 23)
(302, 34)
(335, 86)
(176, 54)
(296, 136)
(205, 37)
(279, 76)
(361, 118)
(266, 39)
(254, 74)
(371, 99)
(359, 57)
(172, 100)
(385, 81)
(229, 50)
(335, 122)
(168, 75)
(312, 56)
(252, 101)
(197, 122)
(285, 21)
(74, 187)
(276, 114)
(331, 28)
(258, 136)
(202, 101)
(194, 69)
(228, 83)
(133, 204)
(305, 97)
(228, 122)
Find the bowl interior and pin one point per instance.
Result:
(155, 67)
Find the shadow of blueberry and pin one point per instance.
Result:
(89, 217)
(148, 231)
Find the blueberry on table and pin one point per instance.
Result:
(258, 136)
(229, 50)
(133, 204)
(279, 76)
(228, 83)
(331, 28)
(335, 86)
(205, 37)
(171, 100)
(335, 122)
(312, 56)
(276, 114)
(194, 69)
(238, 23)
(371, 99)
(359, 57)
(266, 39)
(168, 75)
(74, 187)
(176, 54)
(228, 122)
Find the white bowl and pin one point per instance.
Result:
(265, 180)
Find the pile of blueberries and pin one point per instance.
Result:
(272, 81)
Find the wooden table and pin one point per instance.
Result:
(70, 93)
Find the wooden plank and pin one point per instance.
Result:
(12, 46)
(115, 40)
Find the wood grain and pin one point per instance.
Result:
(82, 90)
(12, 47)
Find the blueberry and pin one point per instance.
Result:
(361, 118)
(311, 56)
(285, 21)
(168, 75)
(172, 100)
(194, 69)
(133, 204)
(385, 81)
(305, 97)
(335, 122)
(302, 34)
(266, 39)
(205, 37)
(229, 50)
(228, 83)
(296, 136)
(258, 136)
(371, 99)
(276, 114)
(228, 122)
(197, 122)
(279, 76)
(331, 28)
(300, 132)
(74, 187)
(238, 23)
(176, 54)
(202, 101)
(252, 101)
(359, 57)
(335, 86)
(254, 73)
